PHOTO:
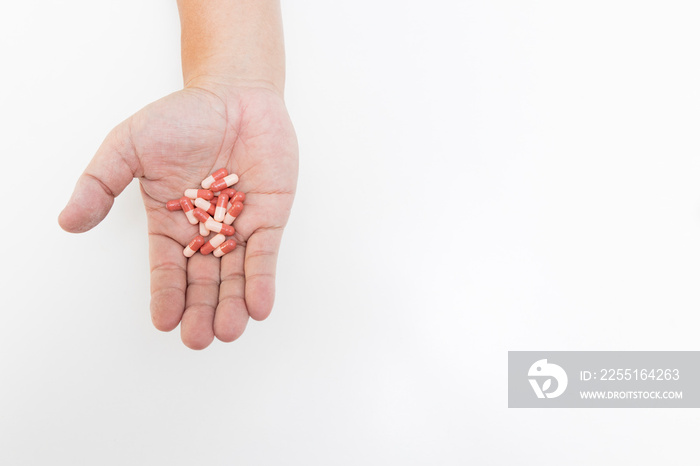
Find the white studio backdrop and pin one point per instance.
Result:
(476, 177)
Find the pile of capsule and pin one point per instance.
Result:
(217, 206)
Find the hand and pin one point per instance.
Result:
(172, 144)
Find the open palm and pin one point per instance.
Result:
(172, 144)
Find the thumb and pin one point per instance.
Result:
(110, 171)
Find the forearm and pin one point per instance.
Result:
(232, 42)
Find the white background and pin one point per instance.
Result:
(476, 177)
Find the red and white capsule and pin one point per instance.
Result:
(194, 246)
(188, 208)
(233, 212)
(225, 247)
(201, 193)
(208, 207)
(217, 227)
(203, 230)
(238, 197)
(230, 192)
(200, 215)
(224, 182)
(173, 205)
(217, 175)
(212, 244)
(220, 211)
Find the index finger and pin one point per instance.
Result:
(168, 281)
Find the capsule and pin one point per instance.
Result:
(201, 193)
(188, 208)
(194, 245)
(173, 205)
(212, 244)
(239, 197)
(224, 182)
(200, 215)
(230, 192)
(206, 206)
(217, 175)
(220, 212)
(233, 212)
(225, 248)
(203, 230)
(217, 227)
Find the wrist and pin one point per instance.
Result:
(225, 86)
(223, 83)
